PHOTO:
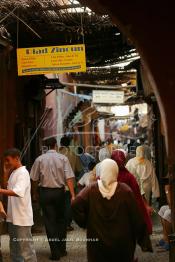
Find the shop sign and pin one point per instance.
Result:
(51, 59)
(108, 97)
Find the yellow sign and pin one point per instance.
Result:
(51, 59)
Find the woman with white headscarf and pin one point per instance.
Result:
(109, 211)
(104, 153)
(144, 172)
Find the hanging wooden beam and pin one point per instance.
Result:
(60, 7)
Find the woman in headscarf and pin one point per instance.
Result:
(126, 177)
(103, 154)
(144, 172)
(109, 211)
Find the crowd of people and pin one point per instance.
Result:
(110, 198)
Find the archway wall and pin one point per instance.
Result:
(150, 27)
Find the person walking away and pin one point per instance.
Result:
(85, 159)
(103, 154)
(88, 177)
(19, 209)
(147, 152)
(51, 172)
(126, 177)
(109, 211)
(77, 168)
(144, 172)
(70, 154)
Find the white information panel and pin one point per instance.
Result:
(107, 97)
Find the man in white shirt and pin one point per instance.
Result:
(19, 211)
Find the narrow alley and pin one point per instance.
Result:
(87, 93)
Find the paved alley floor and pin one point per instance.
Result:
(76, 248)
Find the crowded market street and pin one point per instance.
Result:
(87, 148)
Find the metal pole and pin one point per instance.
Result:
(95, 86)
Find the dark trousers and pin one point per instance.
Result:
(68, 209)
(52, 201)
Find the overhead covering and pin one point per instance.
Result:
(62, 22)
